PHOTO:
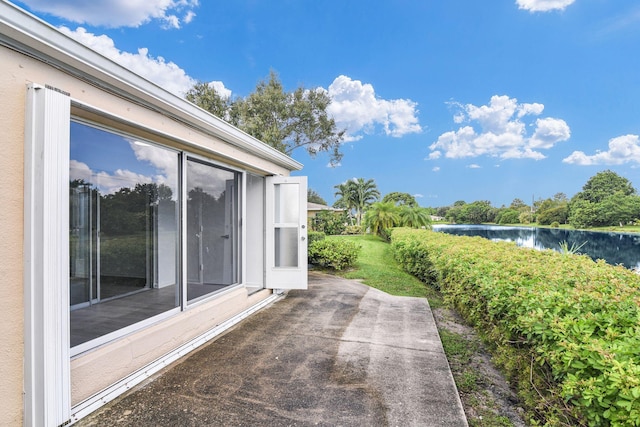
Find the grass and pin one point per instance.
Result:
(377, 268)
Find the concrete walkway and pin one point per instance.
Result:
(338, 354)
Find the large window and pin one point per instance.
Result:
(123, 226)
(125, 204)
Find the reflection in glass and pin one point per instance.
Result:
(212, 234)
(123, 217)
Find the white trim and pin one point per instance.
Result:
(34, 37)
(46, 263)
(107, 395)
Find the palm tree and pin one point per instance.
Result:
(357, 194)
(415, 217)
(381, 216)
(345, 199)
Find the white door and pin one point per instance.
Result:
(286, 232)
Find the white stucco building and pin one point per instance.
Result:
(135, 226)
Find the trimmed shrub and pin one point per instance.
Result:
(335, 254)
(565, 329)
(315, 236)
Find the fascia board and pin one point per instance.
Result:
(30, 35)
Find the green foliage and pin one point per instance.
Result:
(329, 222)
(377, 267)
(315, 236)
(314, 197)
(332, 253)
(613, 210)
(508, 216)
(400, 199)
(124, 256)
(555, 224)
(414, 217)
(472, 213)
(283, 120)
(413, 256)
(557, 214)
(357, 195)
(206, 97)
(603, 185)
(566, 329)
(352, 229)
(381, 216)
(573, 249)
(606, 199)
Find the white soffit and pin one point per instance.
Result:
(32, 36)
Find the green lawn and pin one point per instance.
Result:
(377, 268)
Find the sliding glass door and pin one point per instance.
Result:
(123, 231)
(212, 228)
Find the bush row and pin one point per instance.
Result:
(565, 329)
(336, 254)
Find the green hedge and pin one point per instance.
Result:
(565, 329)
(336, 254)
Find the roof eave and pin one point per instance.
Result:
(26, 33)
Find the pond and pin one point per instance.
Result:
(614, 248)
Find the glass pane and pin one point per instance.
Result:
(123, 211)
(254, 229)
(286, 247)
(287, 203)
(212, 235)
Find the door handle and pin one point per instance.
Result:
(226, 236)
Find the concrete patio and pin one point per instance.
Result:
(338, 354)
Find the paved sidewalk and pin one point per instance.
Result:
(338, 354)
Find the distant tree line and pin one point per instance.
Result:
(607, 199)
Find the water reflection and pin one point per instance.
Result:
(614, 248)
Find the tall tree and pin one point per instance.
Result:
(205, 96)
(400, 199)
(284, 120)
(357, 194)
(605, 184)
(606, 199)
(382, 216)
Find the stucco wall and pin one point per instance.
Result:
(94, 370)
(12, 97)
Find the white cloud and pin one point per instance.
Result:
(165, 74)
(164, 161)
(418, 196)
(356, 108)
(548, 132)
(436, 169)
(543, 5)
(105, 182)
(123, 13)
(499, 129)
(622, 149)
(220, 89)
(474, 166)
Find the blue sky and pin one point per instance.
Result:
(445, 100)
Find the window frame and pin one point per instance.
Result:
(79, 113)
